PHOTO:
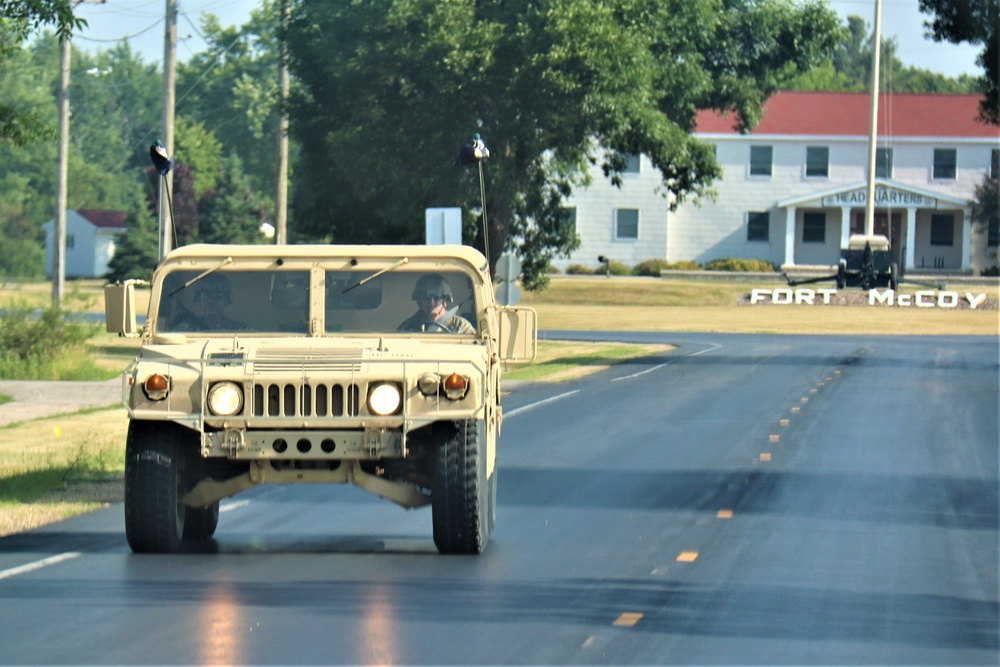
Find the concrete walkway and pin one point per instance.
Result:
(35, 399)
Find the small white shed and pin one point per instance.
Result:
(90, 241)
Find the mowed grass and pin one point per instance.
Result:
(57, 467)
(652, 304)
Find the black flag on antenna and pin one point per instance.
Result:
(162, 161)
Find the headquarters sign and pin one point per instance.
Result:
(883, 197)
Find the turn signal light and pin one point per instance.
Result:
(455, 386)
(156, 387)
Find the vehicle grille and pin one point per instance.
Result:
(293, 400)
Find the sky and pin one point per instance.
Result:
(142, 22)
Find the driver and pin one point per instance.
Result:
(434, 296)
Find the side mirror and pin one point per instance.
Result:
(518, 335)
(119, 309)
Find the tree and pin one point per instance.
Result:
(234, 212)
(976, 22)
(850, 68)
(231, 90)
(390, 90)
(986, 208)
(136, 250)
(18, 18)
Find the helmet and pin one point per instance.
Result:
(433, 284)
(214, 284)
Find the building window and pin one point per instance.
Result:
(942, 230)
(626, 224)
(883, 163)
(70, 242)
(814, 228)
(817, 161)
(632, 163)
(760, 160)
(758, 226)
(944, 163)
(995, 163)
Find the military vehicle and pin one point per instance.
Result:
(279, 364)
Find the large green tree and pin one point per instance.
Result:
(390, 89)
(18, 18)
(975, 22)
(850, 68)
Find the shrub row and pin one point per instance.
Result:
(653, 267)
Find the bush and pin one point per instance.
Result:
(747, 265)
(650, 267)
(45, 346)
(579, 270)
(685, 265)
(616, 269)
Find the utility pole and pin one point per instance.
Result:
(281, 197)
(62, 174)
(169, 92)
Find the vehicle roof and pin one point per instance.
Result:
(390, 252)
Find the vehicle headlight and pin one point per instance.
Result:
(384, 399)
(156, 387)
(225, 399)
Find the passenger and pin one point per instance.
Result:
(434, 296)
(211, 298)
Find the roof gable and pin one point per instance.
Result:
(103, 219)
(847, 114)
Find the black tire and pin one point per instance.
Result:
(154, 482)
(200, 522)
(463, 498)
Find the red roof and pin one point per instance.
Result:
(104, 219)
(847, 114)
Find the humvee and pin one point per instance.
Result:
(278, 364)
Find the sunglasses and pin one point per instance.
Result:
(433, 297)
(213, 294)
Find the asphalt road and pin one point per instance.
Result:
(740, 500)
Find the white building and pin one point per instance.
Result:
(794, 189)
(90, 242)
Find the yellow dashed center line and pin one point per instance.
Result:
(627, 620)
(687, 557)
(724, 514)
(765, 456)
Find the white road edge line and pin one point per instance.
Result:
(38, 564)
(532, 406)
(635, 375)
(659, 366)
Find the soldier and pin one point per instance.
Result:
(433, 296)
(211, 298)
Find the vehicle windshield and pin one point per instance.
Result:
(278, 302)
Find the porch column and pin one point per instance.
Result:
(966, 238)
(789, 236)
(845, 227)
(911, 239)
